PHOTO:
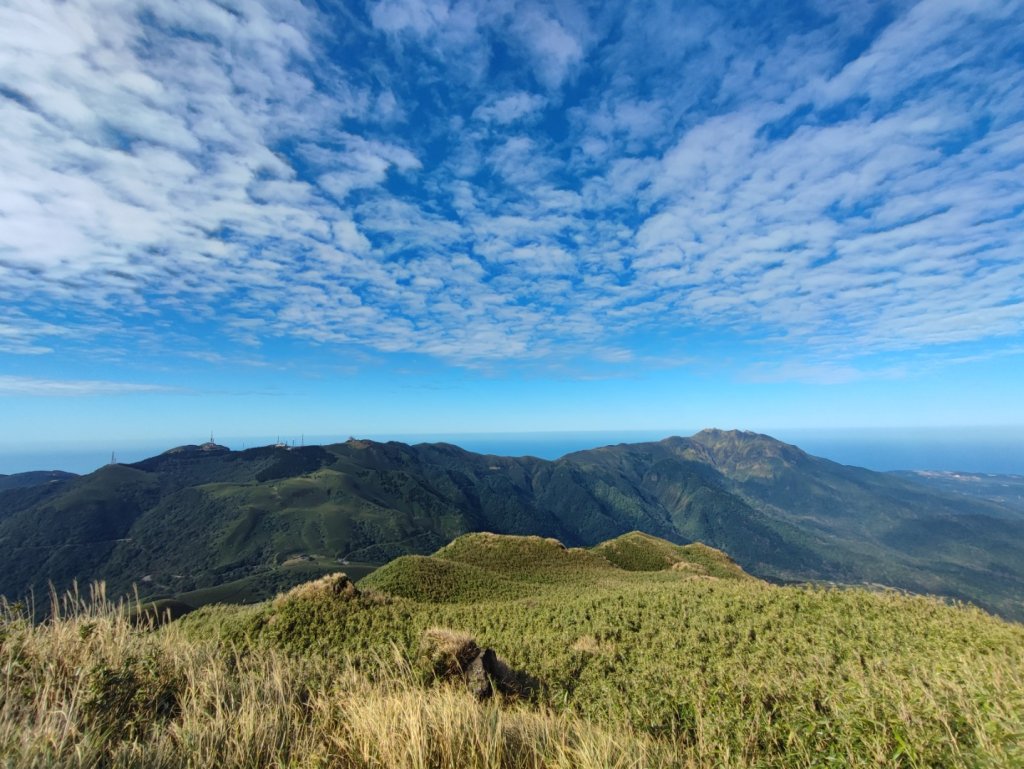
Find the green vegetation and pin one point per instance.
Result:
(637, 551)
(34, 478)
(205, 524)
(672, 667)
(484, 567)
(718, 671)
(258, 586)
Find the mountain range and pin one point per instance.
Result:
(204, 523)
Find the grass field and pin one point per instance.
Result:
(692, 664)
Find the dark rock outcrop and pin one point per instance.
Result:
(451, 656)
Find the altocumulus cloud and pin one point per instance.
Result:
(511, 180)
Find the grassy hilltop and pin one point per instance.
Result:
(647, 654)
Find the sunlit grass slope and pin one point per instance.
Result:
(672, 666)
(637, 551)
(484, 566)
(721, 670)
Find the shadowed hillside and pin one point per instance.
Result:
(34, 478)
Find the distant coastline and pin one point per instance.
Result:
(978, 450)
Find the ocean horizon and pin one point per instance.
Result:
(978, 450)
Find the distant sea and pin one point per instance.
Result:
(977, 450)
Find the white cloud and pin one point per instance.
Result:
(419, 16)
(854, 236)
(181, 158)
(361, 164)
(510, 108)
(826, 373)
(72, 388)
(555, 52)
(142, 164)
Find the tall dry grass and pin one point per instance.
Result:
(96, 688)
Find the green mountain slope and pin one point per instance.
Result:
(34, 478)
(197, 517)
(876, 527)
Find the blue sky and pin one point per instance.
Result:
(418, 216)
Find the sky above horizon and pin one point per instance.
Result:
(422, 216)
